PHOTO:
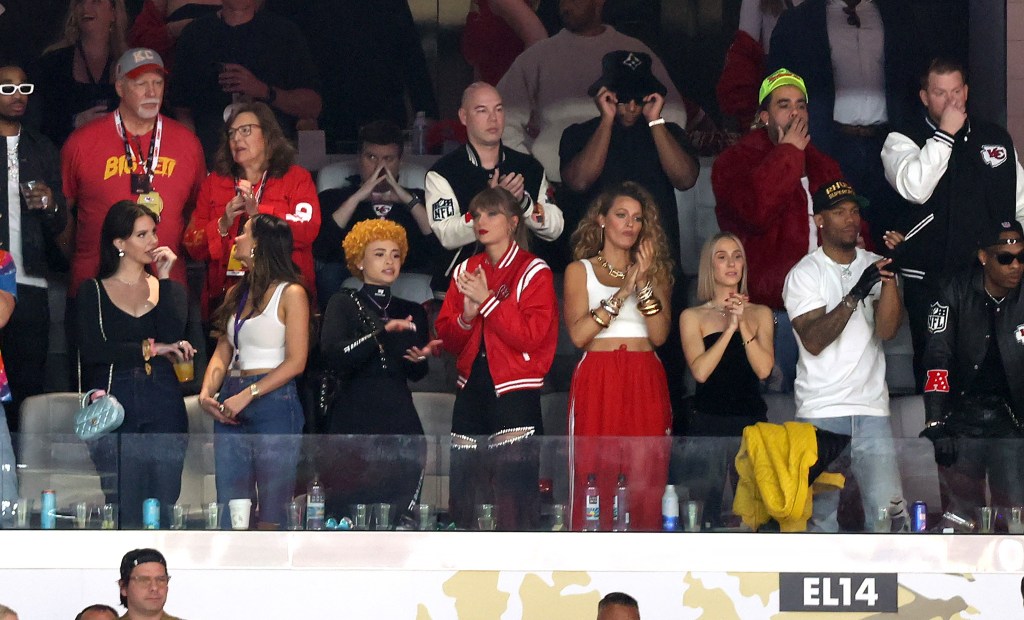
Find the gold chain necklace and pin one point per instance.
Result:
(612, 271)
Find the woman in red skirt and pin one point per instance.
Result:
(616, 308)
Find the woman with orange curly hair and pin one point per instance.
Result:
(616, 309)
(376, 343)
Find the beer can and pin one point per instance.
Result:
(918, 516)
(48, 510)
(151, 514)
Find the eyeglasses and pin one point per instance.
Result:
(10, 89)
(242, 130)
(147, 582)
(1005, 258)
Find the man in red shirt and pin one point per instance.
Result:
(132, 153)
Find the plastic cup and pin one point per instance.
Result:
(361, 520)
(883, 522)
(486, 517)
(81, 515)
(293, 511)
(179, 516)
(211, 515)
(693, 511)
(109, 517)
(240, 510)
(381, 515)
(986, 517)
(185, 371)
(426, 521)
(1015, 522)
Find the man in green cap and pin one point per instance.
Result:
(763, 187)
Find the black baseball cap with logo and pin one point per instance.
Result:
(831, 195)
(994, 231)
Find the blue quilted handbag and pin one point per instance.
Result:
(105, 414)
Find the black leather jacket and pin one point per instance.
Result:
(958, 341)
(38, 159)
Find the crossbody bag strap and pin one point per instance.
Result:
(372, 324)
(99, 309)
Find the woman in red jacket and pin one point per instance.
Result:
(254, 172)
(500, 317)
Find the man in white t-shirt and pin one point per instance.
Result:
(844, 303)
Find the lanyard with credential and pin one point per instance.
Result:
(239, 322)
(149, 164)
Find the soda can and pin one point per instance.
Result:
(918, 516)
(151, 514)
(48, 510)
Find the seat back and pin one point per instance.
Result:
(50, 455)
(435, 411)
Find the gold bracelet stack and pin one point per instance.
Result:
(646, 302)
(597, 319)
(612, 305)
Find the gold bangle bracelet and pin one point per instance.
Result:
(604, 324)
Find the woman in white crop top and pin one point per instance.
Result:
(263, 342)
(616, 309)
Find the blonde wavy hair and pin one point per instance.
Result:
(366, 232)
(706, 267)
(73, 31)
(588, 239)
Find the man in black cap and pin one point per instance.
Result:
(143, 585)
(628, 141)
(844, 302)
(973, 362)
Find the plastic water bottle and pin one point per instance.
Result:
(315, 505)
(620, 507)
(670, 509)
(419, 134)
(592, 514)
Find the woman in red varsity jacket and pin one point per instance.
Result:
(500, 317)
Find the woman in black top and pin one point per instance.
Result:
(375, 343)
(728, 344)
(74, 76)
(132, 327)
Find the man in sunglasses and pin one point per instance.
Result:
(32, 216)
(974, 362)
(963, 172)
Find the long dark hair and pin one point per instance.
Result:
(119, 224)
(280, 152)
(271, 262)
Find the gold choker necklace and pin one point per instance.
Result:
(612, 271)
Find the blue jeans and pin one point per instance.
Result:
(872, 455)
(261, 453)
(8, 474)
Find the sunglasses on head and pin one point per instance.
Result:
(1006, 258)
(10, 89)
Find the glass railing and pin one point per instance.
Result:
(188, 482)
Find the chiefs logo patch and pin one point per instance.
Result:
(994, 155)
(937, 318)
(382, 209)
(443, 208)
(938, 381)
(1018, 333)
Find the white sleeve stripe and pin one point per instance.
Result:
(536, 266)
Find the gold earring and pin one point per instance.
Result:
(252, 252)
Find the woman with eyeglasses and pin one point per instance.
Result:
(75, 74)
(254, 172)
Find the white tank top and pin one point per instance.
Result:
(630, 323)
(261, 338)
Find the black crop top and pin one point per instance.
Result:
(733, 388)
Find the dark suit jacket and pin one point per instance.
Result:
(800, 43)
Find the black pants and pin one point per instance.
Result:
(26, 342)
(145, 457)
(485, 467)
(988, 446)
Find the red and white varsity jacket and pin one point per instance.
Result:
(518, 321)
